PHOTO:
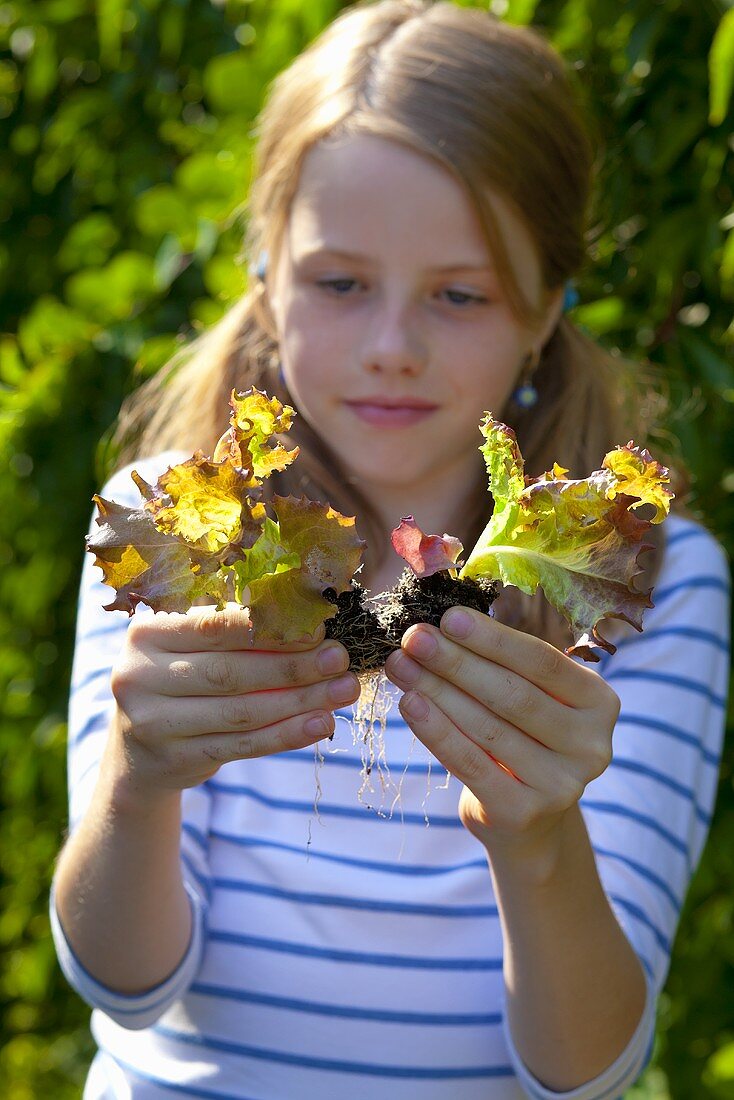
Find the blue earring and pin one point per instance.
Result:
(570, 297)
(260, 268)
(526, 395)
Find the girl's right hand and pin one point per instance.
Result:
(191, 696)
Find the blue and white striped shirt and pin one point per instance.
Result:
(352, 949)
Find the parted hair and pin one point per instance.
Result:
(497, 107)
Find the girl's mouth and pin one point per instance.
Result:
(385, 412)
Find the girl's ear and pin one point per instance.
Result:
(269, 300)
(554, 312)
(264, 276)
(264, 314)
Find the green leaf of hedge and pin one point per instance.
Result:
(721, 68)
(114, 292)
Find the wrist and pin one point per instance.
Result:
(129, 799)
(123, 783)
(536, 854)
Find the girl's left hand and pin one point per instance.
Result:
(522, 725)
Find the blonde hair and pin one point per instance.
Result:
(494, 105)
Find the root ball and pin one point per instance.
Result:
(371, 628)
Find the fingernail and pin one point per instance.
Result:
(457, 623)
(414, 705)
(401, 668)
(421, 644)
(332, 659)
(318, 726)
(344, 690)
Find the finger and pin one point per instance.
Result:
(508, 694)
(528, 760)
(486, 777)
(194, 715)
(293, 733)
(234, 672)
(534, 659)
(205, 628)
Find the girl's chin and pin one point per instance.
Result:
(389, 477)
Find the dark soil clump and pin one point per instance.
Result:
(358, 629)
(370, 635)
(425, 599)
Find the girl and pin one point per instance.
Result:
(419, 205)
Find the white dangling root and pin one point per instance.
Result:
(318, 763)
(429, 788)
(368, 731)
(319, 759)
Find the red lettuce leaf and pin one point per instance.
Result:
(425, 554)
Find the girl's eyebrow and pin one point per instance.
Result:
(359, 257)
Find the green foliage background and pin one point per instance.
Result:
(126, 131)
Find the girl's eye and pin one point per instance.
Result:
(462, 298)
(340, 287)
(346, 286)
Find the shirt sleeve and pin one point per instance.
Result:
(649, 814)
(99, 637)
(609, 1085)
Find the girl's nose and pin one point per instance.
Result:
(393, 344)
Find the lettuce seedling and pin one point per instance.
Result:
(205, 534)
(578, 540)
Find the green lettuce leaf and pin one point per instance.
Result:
(249, 443)
(286, 603)
(209, 505)
(268, 555)
(579, 540)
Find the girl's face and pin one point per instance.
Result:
(394, 336)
